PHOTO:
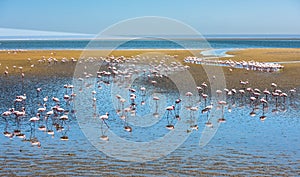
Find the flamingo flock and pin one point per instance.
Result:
(142, 78)
(50, 117)
(249, 65)
(121, 71)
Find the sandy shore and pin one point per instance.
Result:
(288, 78)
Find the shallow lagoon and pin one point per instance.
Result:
(243, 145)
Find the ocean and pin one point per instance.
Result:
(34, 44)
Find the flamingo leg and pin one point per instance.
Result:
(105, 123)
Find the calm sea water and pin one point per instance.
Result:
(146, 44)
(244, 145)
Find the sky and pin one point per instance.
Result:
(206, 16)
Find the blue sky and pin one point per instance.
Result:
(208, 17)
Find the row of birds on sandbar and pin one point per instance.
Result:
(248, 65)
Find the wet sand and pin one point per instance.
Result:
(286, 79)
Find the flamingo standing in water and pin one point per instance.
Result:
(169, 110)
(204, 96)
(219, 93)
(275, 94)
(194, 125)
(263, 117)
(155, 114)
(222, 119)
(177, 108)
(204, 86)
(284, 96)
(207, 110)
(292, 96)
(200, 91)
(35, 119)
(126, 126)
(43, 109)
(143, 90)
(266, 92)
(118, 111)
(103, 118)
(263, 101)
(38, 90)
(189, 95)
(208, 123)
(252, 113)
(273, 85)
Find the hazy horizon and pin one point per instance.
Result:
(46, 35)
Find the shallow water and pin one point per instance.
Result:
(244, 145)
(217, 53)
